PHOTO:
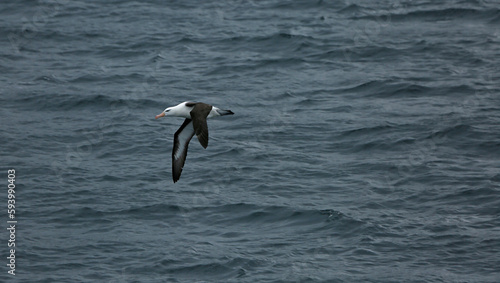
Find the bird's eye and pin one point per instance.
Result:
(166, 110)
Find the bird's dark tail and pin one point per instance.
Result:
(225, 112)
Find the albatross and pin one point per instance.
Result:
(196, 114)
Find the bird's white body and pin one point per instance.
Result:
(181, 110)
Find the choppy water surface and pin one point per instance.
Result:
(364, 147)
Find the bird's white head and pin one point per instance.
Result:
(164, 113)
(181, 110)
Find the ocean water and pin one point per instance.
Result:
(365, 144)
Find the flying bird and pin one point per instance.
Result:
(196, 114)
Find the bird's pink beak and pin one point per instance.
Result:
(160, 115)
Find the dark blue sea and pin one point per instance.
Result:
(365, 144)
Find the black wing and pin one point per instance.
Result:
(179, 152)
(199, 115)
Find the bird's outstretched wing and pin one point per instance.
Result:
(199, 115)
(179, 152)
